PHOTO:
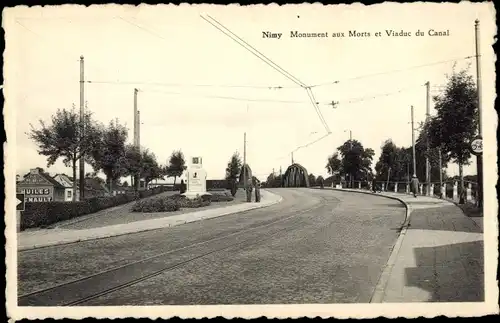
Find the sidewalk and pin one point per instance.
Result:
(438, 257)
(43, 238)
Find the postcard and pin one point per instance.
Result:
(246, 161)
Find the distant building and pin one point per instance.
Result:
(39, 186)
(94, 187)
(120, 189)
(65, 181)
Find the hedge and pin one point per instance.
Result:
(156, 204)
(46, 213)
(176, 202)
(169, 203)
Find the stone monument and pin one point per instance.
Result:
(196, 179)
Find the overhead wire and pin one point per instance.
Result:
(371, 97)
(62, 48)
(228, 97)
(318, 111)
(393, 71)
(182, 85)
(136, 25)
(266, 60)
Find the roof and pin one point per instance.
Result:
(93, 184)
(51, 180)
(65, 179)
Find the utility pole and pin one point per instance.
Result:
(350, 143)
(292, 157)
(135, 118)
(281, 178)
(139, 147)
(350, 148)
(413, 144)
(82, 129)
(137, 177)
(440, 171)
(245, 162)
(479, 160)
(427, 163)
(408, 170)
(139, 130)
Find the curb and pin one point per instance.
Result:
(383, 281)
(169, 225)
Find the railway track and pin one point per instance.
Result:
(82, 290)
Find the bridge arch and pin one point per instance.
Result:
(296, 176)
(249, 174)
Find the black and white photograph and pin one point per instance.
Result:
(244, 161)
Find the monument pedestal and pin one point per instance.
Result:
(196, 180)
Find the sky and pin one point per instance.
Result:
(200, 91)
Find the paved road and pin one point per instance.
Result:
(317, 246)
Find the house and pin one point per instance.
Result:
(95, 187)
(39, 186)
(65, 181)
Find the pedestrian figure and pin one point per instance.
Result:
(414, 185)
(183, 187)
(257, 190)
(374, 185)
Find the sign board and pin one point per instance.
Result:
(19, 202)
(45, 194)
(196, 162)
(476, 146)
(195, 182)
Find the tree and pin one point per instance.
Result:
(63, 138)
(400, 161)
(132, 163)
(176, 165)
(356, 160)
(233, 172)
(392, 163)
(149, 169)
(320, 181)
(108, 153)
(334, 164)
(312, 180)
(93, 175)
(273, 180)
(455, 123)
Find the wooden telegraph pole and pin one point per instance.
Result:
(245, 184)
(440, 172)
(137, 144)
(82, 129)
(427, 163)
(413, 143)
(479, 160)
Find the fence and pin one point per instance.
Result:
(450, 190)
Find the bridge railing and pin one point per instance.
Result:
(449, 190)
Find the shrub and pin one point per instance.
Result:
(192, 203)
(157, 204)
(46, 213)
(170, 203)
